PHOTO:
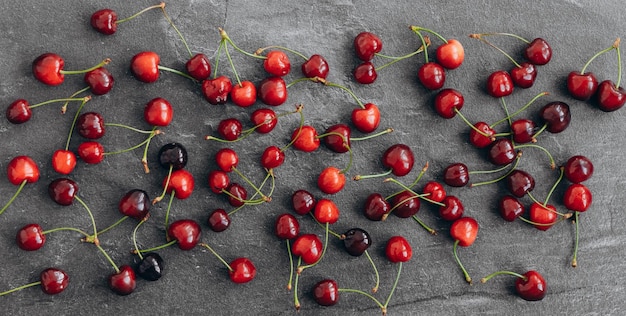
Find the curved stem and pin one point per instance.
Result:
(296, 301)
(393, 288)
(20, 288)
(290, 264)
(369, 176)
(552, 163)
(169, 243)
(167, 184)
(574, 260)
(260, 50)
(397, 59)
(80, 231)
(458, 261)
(144, 158)
(144, 142)
(426, 227)
(299, 108)
(485, 279)
(106, 255)
(416, 29)
(161, 5)
(619, 64)
(479, 37)
(182, 38)
(129, 127)
(410, 186)
(507, 34)
(300, 268)
(517, 159)
(167, 214)
(178, 72)
(256, 189)
(113, 225)
(377, 283)
(370, 296)
(470, 124)
(582, 71)
(54, 101)
(509, 117)
(386, 131)
(217, 58)
(232, 64)
(76, 115)
(135, 238)
(19, 189)
(217, 256)
(226, 38)
(346, 89)
(421, 196)
(423, 40)
(104, 62)
(93, 221)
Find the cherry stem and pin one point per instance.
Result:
(167, 214)
(130, 128)
(485, 279)
(386, 131)
(421, 196)
(330, 231)
(80, 108)
(299, 108)
(169, 243)
(93, 238)
(552, 163)
(425, 43)
(80, 231)
(256, 189)
(506, 111)
(252, 201)
(619, 63)
(479, 37)
(525, 220)
(290, 264)
(508, 117)
(370, 296)
(161, 5)
(176, 71)
(106, 255)
(119, 221)
(574, 261)
(517, 159)
(416, 30)
(369, 176)
(417, 179)
(382, 306)
(144, 158)
(504, 34)
(19, 189)
(377, 283)
(64, 106)
(226, 38)
(426, 227)
(608, 49)
(167, 184)
(144, 142)
(345, 145)
(260, 50)
(423, 40)
(216, 255)
(296, 301)
(301, 268)
(541, 130)
(330, 84)
(456, 257)
(135, 238)
(217, 57)
(182, 38)
(104, 62)
(393, 288)
(57, 100)
(472, 125)
(20, 288)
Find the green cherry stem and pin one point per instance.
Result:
(493, 137)
(160, 5)
(21, 287)
(259, 51)
(169, 243)
(485, 279)
(480, 38)
(520, 110)
(70, 99)
(425, 43)
(619, 63)
(93, 238)
(296, 301)
(104, 62)
(302, 268)
(329, 84)
(182, 38)
(178, 72)
(552, 163)
(80, 231)
(254, 187)
(119, 221)
(135, 238)
(377, 275)
(386, 131)
(221, 46)
(414, 183)
(167, 184)
(216, 255)
(227, 39)
(417, 29)
(167, 214)
(290, 264)
(574, 260)
(421, 196)
(426, 227)
(511, 169)
(458, 261)
(109, 259)
(19, 189)
(252, 200)
(144, 158)
(608, 49)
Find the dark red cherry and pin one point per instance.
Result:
(218, 220)
(91, 125)
(366, 119)
(577, 197)
(337, 138)
(499, 84)
(510, 208)
(366, 45)
(145, 66)
(226, 159)
(578, 169)
(174, 155)
(135, 203)
(286, 226)
(376, 207)
(523, 131)
(104, 21)
(53, 281)
(264, 119)
(315, 66)
(582, 86)
(356, 241)
(151, 267)
(47, 68)
(308, 247)
(538, 52)
(447, 102)
(91, 152)
(30, 237)
(452, 209)
(544, 216)
(19, 111)
(243, 94)
(277, 63)
(229, 129)
(181, 183)
(532, 287)
(124, 281)
(158, 112)
(432, 75)
(305, 138)
(272, 157)
(326, 292)
(399, 158)
(610, 97)
(63, 191)
(99, 80)
(302, 201)
(479, 140)
(243, 270)
(365, 73)
(405, 204)
(502, 152)
(524, 76)
(456, 175)
(198, 67)
(398, 249)
(238, 194)
(434, 190)
(217, 90)
(520, 182)
(186, 232)
(556, 115)
(273, 91)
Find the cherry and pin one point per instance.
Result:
(174, 155)
(326, 211)
(556, 116)
(532, 287)
(405, 204)
(315, 66)
(198, 67)
(218, 220)
(273, 91)
(520, 182)
(451, 54)
(366, 45)
(482, 140)
(135, 203)
(326, 292)
(243, 94)
(242, 270)
(305, 138)
(264, 119)
(48, 67)
(523, 131)
(286, 226)
(582, 86)
(226, 159)
(237, 194)
(464, 231)
(20, 111)
(456, 175)
(331, 180)
(229, 129)
(216, 90)
(158, 112)
(151, 267)
(577, 197)
(502, 152)
(367, 118)
(63, 191)
(218, 181)
(398, 249)
(91, 152)
(578, 169)
(337, 138)
(365, 73)
(432, 75)
(181, 183)
(499, 84)
(356, 241)
(544, 216)
(399, 158)
(434, 191)
(123, 282)
(63, 161)
(145, 66)
(452, 210)
(302, 201)
(448, 102)
(91, 125)
(524, 75)
(308, 247)
(272, 157)
(538, 52)
(105, 20)
(31, 237)
(186, 232)
(510, 208)
(22, 169)
(99, 80)
(277, 63)
(376, 207)
(610, 97)
(53, 281)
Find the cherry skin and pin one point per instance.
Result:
(272, 157)
(243, 270)
(315, 66)
(30, 237)
(398, 249)
(524, 76)
(447, 102)
(556, 115)
(582, 86)
(523, 131)
(305, 139)
(366, 119)
(186, 232)
(456, 175)
(181, 183)
(356, 241)
(432, 75)
(365, 73)
(104, 21)
(22, 168)
(479, 140)
(47, 68)
(264, 119)
(218, 220)
(91, 152)
(609, 97)
(158, 112)
(277, 63)
(452, 209)
(502, 152)
(229, 129)
(337, 143)
(244, 94)
(174, 155)
(464, 230)
(577, 197)
(273, 91)
(399, 158)
(510, 208)
(308, 247)
(99, 80)
(499, 84)
(19, 112)
(286, 226)
(53, 281)
(151, 267)
(544, 215)
(302, 201)
(406, 204)
(135, 203)
(226, 159)
(326, 211)
(538, 52)
(91, 125)
(376, 207)
(326, 292)
(198, 67)
(63, 161)
(145, 66)
(216, 90)
(435, 191)
(532, 287)
(578, 169)
(63, 191)
(124, 281)
(238, 194)
(519, 182)
(366, 45)
(451, 54)
(218, 181)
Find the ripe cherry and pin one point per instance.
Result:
(356, 241)
(20, 111)
(524, 76)
(273, 91)
(199, 67)
(577, 197)
(302, 201)
(432, 75)
(405, 204)
(181, 184)
(158, 112)
(305, 139)
(31, 237)
(544, 217)
(174, 155)
(63, 161)
(242, 270)
(216, 90)
(219, 220)
(365, 73)
(218, 181)
(226, 159)
(578, 169)
(91, 152)
(99, 80)
(452, 209)
(451, 54)
(523, 131)
(538, 52)
(229, 129)
(366, 45)
(315, 66)
(145, 66)
(151, 267)
(367, 118)
(244, 94)
(53, 281)
(48, 67)
(91, 125)
(610, 97)
(331, 180)
(510, 208)
(435, 191)
(186, 232)
(105, 20)
(286, 226)
(520, 182)
(582, 86)
(135, 203)
(376, 207)
(464, 231)
(448, 102)
(63, 191)
(337, 138)
(326, 292)
(398, 249)
(264, 119)
(326, 211)
(502, 152)
(456, 175)
(308, 247)
(237, 194)
(484, 139)
(556, 115)
(499, 84)
(272, 157)
(277, 63)
(22, 169)
(532, 287)
(124, 281)
(399, 158)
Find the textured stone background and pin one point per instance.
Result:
(195, 282)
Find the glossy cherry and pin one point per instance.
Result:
(158, 112)
(277, 63)
(272, 157)
(91, 125)
(99, 80)
(315, 66)
(181, 183)
(519, 182)
(308, 247)
(186, 232)
(104, 21)
(31, 237)
(242, 270)
(376, 207)
(264, 119)
(19, 112)
(90, 152)
(464, 230)
(484, 139)
(524, 76)
(174, 155)
(302, 201)
(502, 152)
(53, 281)
(545, 216)
(366, 45)
(434, 190)
(578, 169)
(124, 281)
(218, 181)
(218, 220)
(398, 249)
(577, 197)
(452, 209)
(226, 159)
(63, 191)
(356, 241)
(432, 75)
(135, 203)
(331, 180)
(326, 292)
(244, 94)
(405, 204)
(456, 175)
(229, 129)
(365, 73)
(47, 68)
(366, 119)
(237, 194)
(217, 90)
(151, 267)
(532, 287)
(199, 67)
(22, 169)
(63, 161)
(523, 131)
(337, 138)
(450, 55)
(273, 91)
(145, 66)
(447, 102)
(326, 211)
(286, 226)
(499, 84)
(510, 208)
(556, 115)
(610, 97)
(582, 86)
(305, 138)
(399, 158)
(538, 52)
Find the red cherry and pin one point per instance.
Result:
(19, 112)
(315, 66)
(104, 21)
(264, 119)
(464, 230)
(273, 91)
(303, 202)
(237, 194)
(48, 68)
(216, 90)
(435, 191)
(63, 161)
(305, 138)
(610, 97)
(523, 131)
(479, 140)
(456, 175)
(452, 208)
(91, 125)
(451, 54)
(99, 80)
(356, 241)
(243, 270)
(326, 292)
(499, 84)
(91, 152)
(398, 249)
(406, 204)
(376, 207)
(308, 247)
(277, 63)
(366, 119)
(181, 183)
(158, 112)
(502, 152)
(124, 281)
(399, 158)
(145, 66)
(226, 159)
(244, 94)
(326, 211)
(556, 115)
(218, 220)
(432, 75)
(135, 203)
(218, 181)
(338, 143)
(365, 73)
(30, 237)
(229, 129)
(366, 45)
(22, 168)
(538, 52)
(186, 232)
(510, 208)
(447, 102)
(582, 86)
(578, 169)
(63, 191)
(272, 157)
(524, 76)
(544, 215)
(532, 287)
(286, 226)
(199, 67)
(577, 197)
(53, 281)
(520, 183)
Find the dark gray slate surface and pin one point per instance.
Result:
(196, 283)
